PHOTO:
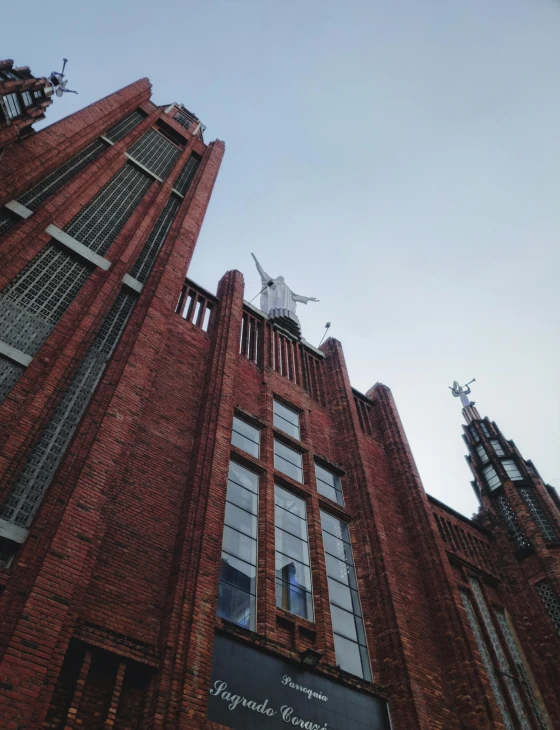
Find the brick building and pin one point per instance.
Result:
(202, 524)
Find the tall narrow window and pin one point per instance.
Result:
(328, 484)
(481, 451)
(492, 479)
(496, 445)
(551, 602)
(238, 573)
(484, 428)
(286, 420)
(12, 105)
(511, 470)
(474, 433)
(293, 575)
(245, 437)
(346, 613)
(288, 461)
(538, 513)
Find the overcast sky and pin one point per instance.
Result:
(397, 159)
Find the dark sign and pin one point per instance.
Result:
(252, 690)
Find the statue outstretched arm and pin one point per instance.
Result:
(302, 299)
(265, 278)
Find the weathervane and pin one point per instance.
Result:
(58, 83)
(457, 391)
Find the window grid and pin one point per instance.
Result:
(481, 451)
(245, 437)
(485, 656)
(102, 219)
(484, 428)
(288, 461)
(293, 571)
(26, 494)
(520, 666)
(492, 479)
(511, 470)
(186, 175)
(182, 119)
(155, 240)
(496, 445)
(328, 484)
(33, 198)
(474, 433)
(512, 523)
(551, 603)
(26, 98)
(539, 515)
(286, 420)
(10, 373)
(346, 613)
(12, 105)
(238, 571)
(155, 152)
(503, 665)
(121, 129)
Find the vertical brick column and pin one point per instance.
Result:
(463, 683)
(188, 628)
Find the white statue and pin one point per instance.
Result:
(277, 295)
(458, 392)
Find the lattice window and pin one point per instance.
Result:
(510, 518)
(182, 119)
(250, 345)
(26, 494)
(33, 198)
(155, 152)
(48, 284)
(196, 307)
(520, 665)
(551, 603)
(10, 373)
(187, 173)
(485, 656)
(503, 665)
(102, 219)
(284, 356)
(121, 129)
(155, 240)
(539, 515)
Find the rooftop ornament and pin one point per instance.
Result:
(58, 83)
(458, 391)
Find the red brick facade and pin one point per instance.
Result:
(109, 602)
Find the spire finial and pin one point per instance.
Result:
(462, 391)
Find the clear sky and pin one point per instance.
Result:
(397, 159)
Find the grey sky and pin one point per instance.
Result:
(397, 159)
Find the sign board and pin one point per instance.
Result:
(253, 690)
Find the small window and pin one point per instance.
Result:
(288, 461)
(496, 445)
(328, 484)
(27, 98)
(511, 470)
(245, 437)
(474, 434)
(286, 420)
(12, 105)
(38, 94)
(492, 479)
(482, 453)
(484, 429)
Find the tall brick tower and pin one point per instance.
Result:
(23, 101)
(202, 524)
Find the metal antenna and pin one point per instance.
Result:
(65, 60)
(325, 332)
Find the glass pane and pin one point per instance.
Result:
(294, 599)
(340, 571)
(236, 605)
(324, 475)
(241, 520)
(343, 623)
(294, 457)
(482, 453)
(286, 467)
(242, 476)
(290, 571)
(239, 545)
(290, 523)
(348, 655)
(238, 573)
(292, 546)
(326, 490)
(340, 594)
(242, 497)
(245, 444)
(497, 447)
(286, 420)
(511, 470)
(335, 527)
(338, 548)
(365, 663)
(289, 502)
